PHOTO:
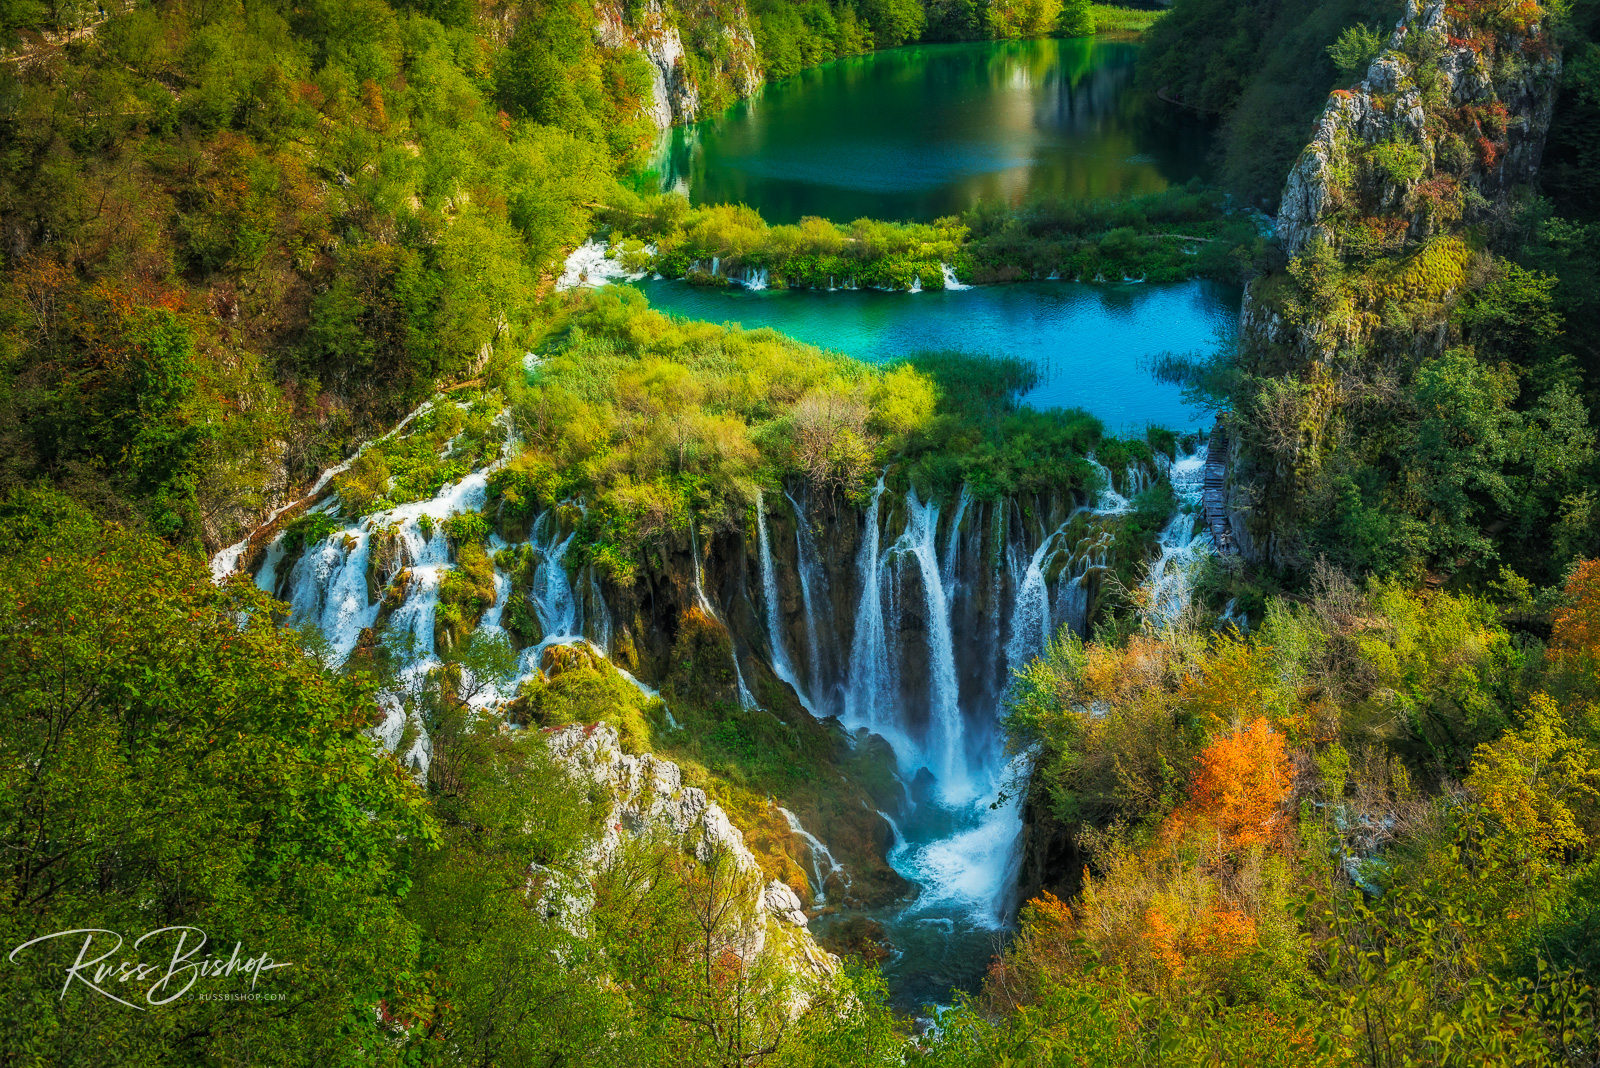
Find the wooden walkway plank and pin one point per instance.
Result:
(1213, 494)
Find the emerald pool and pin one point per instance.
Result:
(926, 131)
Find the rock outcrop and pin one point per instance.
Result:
(656, 29)
(648, 799)
(1388, 216)
(1435, 86)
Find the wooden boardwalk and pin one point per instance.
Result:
(1213, 496)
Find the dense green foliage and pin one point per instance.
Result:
(1364, 835)
(175, 758)
(1265, 67)
(243, 238)
(172, 757)
(1180, 233)
(658, 423)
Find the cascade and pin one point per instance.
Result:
(1170, 581)
(551, 592)
(950, 280)
(1110, 501)
(916, 285)
(591, 265)
(820, 855)
(1001, 580)
(870, 685)
(952, 544)
(1030, 621)
(813, 588)
(747, 700)
(227, 560)
(781, 666)
(945, 746)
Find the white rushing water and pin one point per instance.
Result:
(1184, 544)
(592, 264)
(823, 864)
(781, 665)
(954, 607)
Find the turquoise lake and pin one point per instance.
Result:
(1091, 343)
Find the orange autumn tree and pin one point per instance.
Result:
(1575, 636)
(1243, 780)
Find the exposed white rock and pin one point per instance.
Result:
(648, 798)
(784, 903)
(674, 96)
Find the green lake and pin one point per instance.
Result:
(927, 131)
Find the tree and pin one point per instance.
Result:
(1355, 50)
(169, 756)
(1242, 781)
(1077, 18)
(1535, 781)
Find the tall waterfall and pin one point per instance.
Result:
(813, 590)
(747, 700)
(781, 665)
(913, 615)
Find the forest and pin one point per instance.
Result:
(1342, 809)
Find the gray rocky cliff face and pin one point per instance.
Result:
(648, 799)
(1391, 107)
(675, 98)
(655, 30)
(1405, 176)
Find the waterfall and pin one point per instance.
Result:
(813, 588)
(781, 665)
(593, 264)
(747, 700)
(869, 685)
(938, 624)
(1030, 619)
(1170, 582)
(1110, 502)
(916, 285)
(551, 592)
(945, 748)
(820, 855)
(756, 278)
(950, 279)
(952, 544)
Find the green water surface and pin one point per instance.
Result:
(926, 131)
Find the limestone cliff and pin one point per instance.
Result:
(648, 799)
(1388, 217)
(719, 62)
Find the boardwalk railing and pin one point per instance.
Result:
(1213, 496)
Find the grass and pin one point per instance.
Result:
(1123, 20)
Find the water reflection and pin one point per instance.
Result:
(916, 133)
